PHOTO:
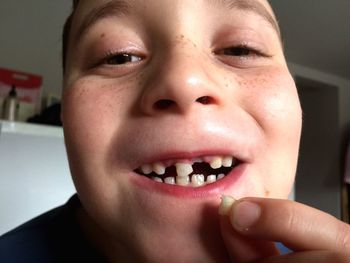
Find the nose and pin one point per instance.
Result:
(179, 83)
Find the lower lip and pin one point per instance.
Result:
(208, 190)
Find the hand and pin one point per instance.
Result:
(254, 224)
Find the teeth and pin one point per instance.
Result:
(211, 178)
(216, 162)
(183, 180)
(197, 180)
(157, 179)
(183, 169)
(159, 168)
(169, 180)
(146, 169)
(220, 176)
(197, 160)
(227, 161)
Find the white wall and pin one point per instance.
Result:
(30, 38)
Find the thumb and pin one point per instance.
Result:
(241, 248)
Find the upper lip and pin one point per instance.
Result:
(178, 155)
(182, 141)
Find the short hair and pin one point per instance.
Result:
(65, 35)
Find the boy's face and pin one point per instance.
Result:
(169, 82)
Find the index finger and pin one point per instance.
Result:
(298, 226)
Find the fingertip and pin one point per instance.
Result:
(244, 214)
(240, 247)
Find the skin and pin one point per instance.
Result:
(110, 112)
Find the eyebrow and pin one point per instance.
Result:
(111, 8)
(122, 7)
(253, 6)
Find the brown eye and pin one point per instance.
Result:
(120, 59)
(239, 51)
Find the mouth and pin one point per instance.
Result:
(195, 172)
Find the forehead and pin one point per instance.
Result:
(90, 11)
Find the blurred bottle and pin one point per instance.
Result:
(11, 106)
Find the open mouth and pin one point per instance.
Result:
(195, 172)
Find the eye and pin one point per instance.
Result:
(121, 58)
(241, 51)
(243, 56)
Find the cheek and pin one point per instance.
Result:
(272, 100)
(93, 114)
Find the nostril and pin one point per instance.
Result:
(205, 100)
(163, 104)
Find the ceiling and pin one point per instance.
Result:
(316, 33)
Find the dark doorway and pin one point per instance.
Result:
(318, 181)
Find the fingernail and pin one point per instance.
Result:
(245, 214)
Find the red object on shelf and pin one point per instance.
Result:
(28, 86)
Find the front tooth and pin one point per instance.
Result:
(158, 168)
(183, 180)
(157, 179)
(169, 180)
(211, 178)
(146, 169)
(183, 169)
(197, 180)
(227, 161)
(216, 162)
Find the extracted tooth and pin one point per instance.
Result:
(216, 162)
(227, 161)
(158, 168)
(197, 180)
(146, 169)
(211, 178)
(169, 180)
(226, 204)
(157, 179)
(183, 180)
(183, 169)
(220, 176)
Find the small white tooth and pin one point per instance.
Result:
(197, 180)
(220, 176)
(158, 168)
(157, 179)
(197, 160)
(169, 180)
(146, 169)
(183, 180)
(227, 161)
(216, 162)
(211, 178)
(183, 169)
